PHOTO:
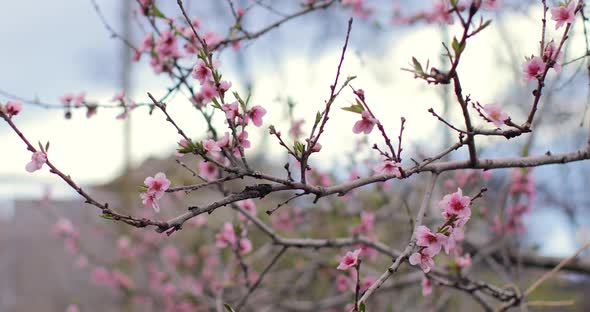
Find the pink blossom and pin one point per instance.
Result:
(119, 97)
(12, 108)
(170, 255)
(211, 39)
(150, 200)
(224, 86)
(224, 141)
(211, 146)
(66, 99)
(208, 92)
(226, 236)
(533, 68)
(426, 286)
(463, 261)
(256, 114)
(243, 139)
(457, 234)
(249, 206)
(491, 4)
(495, 114)
(389, 167)
(551, 54)
(295, 130)
(208, 170)
(166, 45)
(37, 160)
(366, 123)
(245, 245)
(64, 227)
(122, 280)
(440, 12)
(79, 99)
(72, 308)
(342, 283)
(432, 241)
(564, 14)
(367, 224)
(423, 258)
(367, 283)
(101, 276)
(231, 110)
(349, 260)
(157, 184)
(456, 204)
(201, 72)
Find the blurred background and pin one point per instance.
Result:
(58, 47)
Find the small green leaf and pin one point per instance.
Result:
(318, 117)
(454, 3)
(228, 308)
(156, 12)
(142, 188)
(357, 108)
(362, 307)
(417, 66)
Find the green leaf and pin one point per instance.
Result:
(357, 108)
(417, 66)
(156, 12)
(485, 24)
(362, 307)
(142, 188)
(216, 103)
(228, 308)
(318, 117)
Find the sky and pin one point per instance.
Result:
(61, 47)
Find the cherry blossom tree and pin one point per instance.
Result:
(351, 239)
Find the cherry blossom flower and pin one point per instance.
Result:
(211, 146)
(423, 258)
(440, 12)
(367, 224)
(72, 308)
(463, 261)
(166, 45)
(119, 97)
(295, 130)
(66, 99)
(208, 92)
(37, 160)
(64, 227)
(231, 110)
(551, 54)
(533, 68)
(150, 200)
(426, 286)
(364, 125)
(226, 236)
(495, 114)
(564, 14)
(208, 170)
(349, 260)
(432, 241)
(201, 72)
(389, 167)
(456, 204)
(249, 206)
(12, 108)
(255, 114)
(245, 245)
(343, 283)
(367, 283)
(224, 86)
(101, 276)
(157, 184)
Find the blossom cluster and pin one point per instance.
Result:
(456, 212)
